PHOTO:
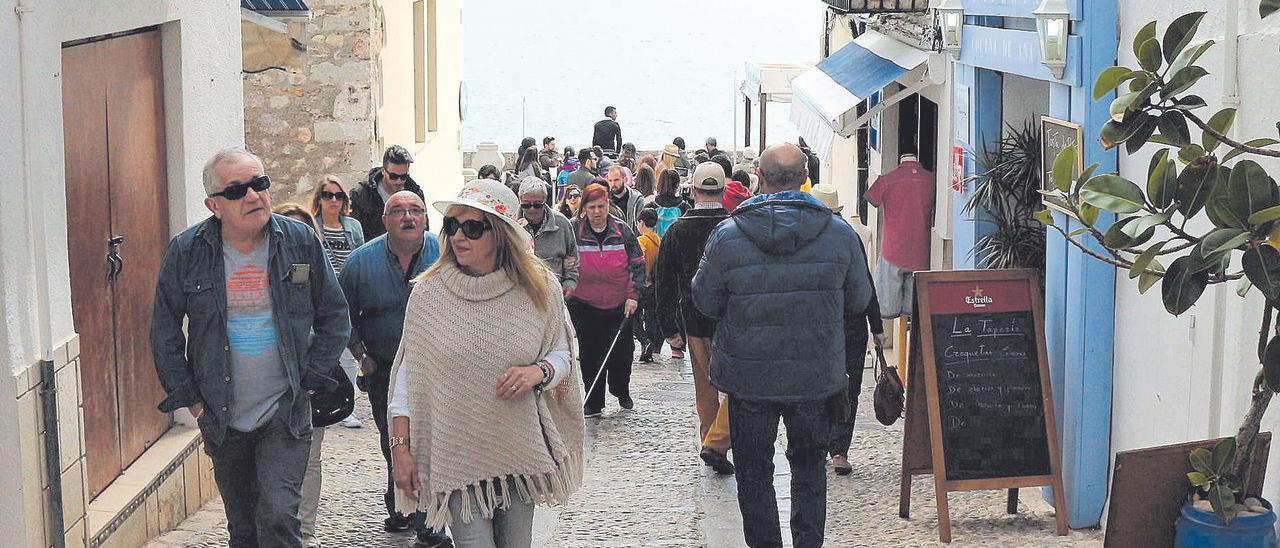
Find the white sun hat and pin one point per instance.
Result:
(491, 197)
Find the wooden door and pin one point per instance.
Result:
(116, 188)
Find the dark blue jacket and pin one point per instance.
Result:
(781, 275)
(310, 317)
(377, 291)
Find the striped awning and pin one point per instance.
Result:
(278, 8)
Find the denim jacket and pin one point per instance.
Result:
(310, 315)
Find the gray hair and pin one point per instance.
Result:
(221, 157)
(386, 208)
(531, 186)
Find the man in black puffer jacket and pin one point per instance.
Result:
(370, 196)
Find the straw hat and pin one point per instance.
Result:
(828, 195)
(671, 150)
(491, 197)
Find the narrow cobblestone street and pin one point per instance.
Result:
(644, 486)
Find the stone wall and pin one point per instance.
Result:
(319, 120)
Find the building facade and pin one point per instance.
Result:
(114, 108)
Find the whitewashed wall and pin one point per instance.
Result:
(1187, 378)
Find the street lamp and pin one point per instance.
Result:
(1052, 20)
(951, 17)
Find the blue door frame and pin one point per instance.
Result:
(1079, 290)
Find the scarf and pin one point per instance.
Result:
(461, 333)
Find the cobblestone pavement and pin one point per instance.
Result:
(644, 486)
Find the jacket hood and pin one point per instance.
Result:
(782, 223)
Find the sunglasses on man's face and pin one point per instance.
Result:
(472, 229)
(236, 191)
(396, 176)
(326, 195)
(532, 205)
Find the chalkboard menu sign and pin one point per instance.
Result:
(1056, 136)
(979, 402)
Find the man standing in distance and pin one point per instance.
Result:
(369, 198)
(266, 321)
(781, 276)
(549, 157)
(712, 149)
(678, 257)
(376, 281)
(607, 134)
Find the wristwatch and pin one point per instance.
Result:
(393, 441)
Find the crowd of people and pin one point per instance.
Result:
(485, 348)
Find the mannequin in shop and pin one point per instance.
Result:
(904, 197)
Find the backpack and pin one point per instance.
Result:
(666, 216)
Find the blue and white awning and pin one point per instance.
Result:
(824, 99)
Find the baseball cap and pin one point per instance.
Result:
(708, 176)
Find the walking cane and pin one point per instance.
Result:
(607, 354)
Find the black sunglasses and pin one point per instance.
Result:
(396, 176)
(236, 191)
(326, 195)
(532, 205)
(472, 229)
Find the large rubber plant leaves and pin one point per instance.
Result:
(1183, 284)
(1262, 266)
(1271, 364)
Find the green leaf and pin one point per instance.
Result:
(1262, 266)
(1268, 7)
(1116, 238)
(1197, 479)
(1112, 193)
(1149, 55)
(1077, 232)
(1223, 452)
(1242, 287)
(1220, 122)
(1194, 185)
(1148, 32)
(1250, 190)
(1223, 500)
(1256, 143)
(1202, 461)
(1146, 280)
(1064, 166)
(1271, 363)
(1265, 216)
(1045, 216)
(1182, 81)
(1190, 102)
(1221, 239)
(1218, 208)
(1109, 80)
(1173, 125)
(1114, 133)
(1179, 33)
(1140, 137)
(1144, 259)
(1189, 56)
(1136, 228)
(1191, 153)
(1088, 214)
(1182, 285)
(1162, 181)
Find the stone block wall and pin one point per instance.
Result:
(320, 119)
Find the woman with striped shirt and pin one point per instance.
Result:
(341, 233)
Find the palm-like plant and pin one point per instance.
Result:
(1007, 190)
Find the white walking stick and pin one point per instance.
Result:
(607, 354)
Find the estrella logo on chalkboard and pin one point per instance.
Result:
(977, 299)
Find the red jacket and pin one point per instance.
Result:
(611, 270)
(734, 194)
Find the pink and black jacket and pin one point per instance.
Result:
(610, 269)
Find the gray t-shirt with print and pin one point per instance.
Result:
(258, 377)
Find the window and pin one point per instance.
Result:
(424, 69)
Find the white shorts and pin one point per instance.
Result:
(895, 288)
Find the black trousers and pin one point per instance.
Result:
(596, 330)
(644, 325)
(842, 431)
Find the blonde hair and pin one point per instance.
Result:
(518, 261)
(315, 197)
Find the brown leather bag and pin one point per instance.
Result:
(889, 397)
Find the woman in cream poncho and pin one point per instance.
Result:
(486, 414)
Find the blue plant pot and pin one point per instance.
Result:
(1199, 529)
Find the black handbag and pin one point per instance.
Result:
(327, 408)
(889, 399)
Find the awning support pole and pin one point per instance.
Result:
(762, 123)
(746, 101)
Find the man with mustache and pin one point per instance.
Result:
(369, 198)
(376, 280)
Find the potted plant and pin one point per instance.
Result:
(1007, 190)
(1187, 226)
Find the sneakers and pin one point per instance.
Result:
(351, 422)
(646, 355)
(432, 539)
(841, 465)
(397, 524)
(626, 402)
(718, 462)
(310, 541)
(677, 353)
(590, 413)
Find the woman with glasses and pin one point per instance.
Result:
(340, 233)
(610, 272)
(569, 203)
(483, 404)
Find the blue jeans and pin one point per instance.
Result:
(753, 429)
(259, 474)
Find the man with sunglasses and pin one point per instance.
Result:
(369, 198)
(376, 280)
(553, 238)
(266, 322)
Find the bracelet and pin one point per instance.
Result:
(547, 373)
(393, 441)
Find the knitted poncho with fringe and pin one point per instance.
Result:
(461, 333)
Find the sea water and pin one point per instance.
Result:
(671, 67)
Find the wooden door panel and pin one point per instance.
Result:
(139, 213)
(88, 227)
